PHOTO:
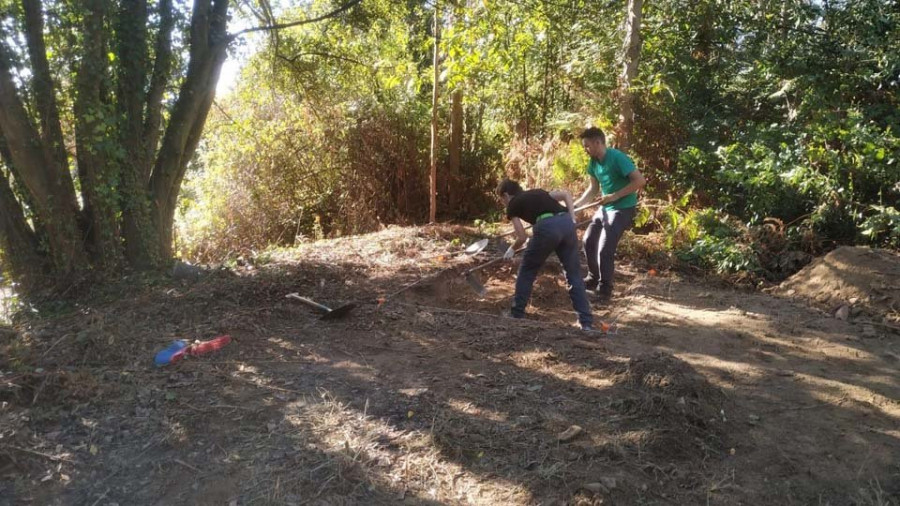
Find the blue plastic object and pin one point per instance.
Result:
(171, 354)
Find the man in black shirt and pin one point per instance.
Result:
(553, 230)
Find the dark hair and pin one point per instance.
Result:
(593, 133)
(509, 187)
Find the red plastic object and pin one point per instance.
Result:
(208, 346)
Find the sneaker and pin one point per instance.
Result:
(587, 328)
(603, 294)
(510, 314)
(590, 283)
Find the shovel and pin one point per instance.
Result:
(473, 280)
(478, 286)
(328, 313)
(471, 250)
(476, 247)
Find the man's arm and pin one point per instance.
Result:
(588, 194)
(636, 181)
(521, 237)
(560, 195)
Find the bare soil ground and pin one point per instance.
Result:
(704, 395)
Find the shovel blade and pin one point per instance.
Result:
(476, 247)
(476, 284)
(338, 313)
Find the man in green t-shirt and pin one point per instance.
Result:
(613, 173)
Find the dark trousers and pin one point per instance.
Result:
(600, 243)
(555, 234)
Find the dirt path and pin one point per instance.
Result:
(703, 396)
(818, 398)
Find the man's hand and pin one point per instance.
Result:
(509, 253)
(606, 199)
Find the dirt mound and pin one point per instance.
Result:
(864, 279)
(683, 409)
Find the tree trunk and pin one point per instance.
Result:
(526, 124)
(162, 68)
(17, 241)
(632, 56)
(432, 193)
(47, 181)
(456, 145)
(209, 41)
(129, 167)
(45, 99)
(141, 249)
(97, 166)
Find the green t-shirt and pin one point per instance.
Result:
(612, 174)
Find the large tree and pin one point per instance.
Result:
(102, 106)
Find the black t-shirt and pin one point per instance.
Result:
(528, 205)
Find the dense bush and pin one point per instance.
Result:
(777, 121)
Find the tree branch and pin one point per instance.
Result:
(280, 26)
(323, 54)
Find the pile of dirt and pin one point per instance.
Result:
(866, 280)
(683, 411)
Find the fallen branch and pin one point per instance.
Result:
(40, 454)
(185, 464)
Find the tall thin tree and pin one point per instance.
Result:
(630, 62)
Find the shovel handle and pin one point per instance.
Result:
(489, 263)
(320, 307)
(492, 262)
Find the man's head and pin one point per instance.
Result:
(594, 141)
(507, 189)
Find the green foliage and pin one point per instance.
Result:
(779, 110)
(826, 176)
(882, 227)
(720, 245)
(675, 219)
(569, 165)
(328, 135)
(723, 255)
(764, 128)
(709, 239)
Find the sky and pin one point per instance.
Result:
(230, 73)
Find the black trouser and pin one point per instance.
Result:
(600, 243)
(554, 234)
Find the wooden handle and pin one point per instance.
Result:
(489, 263)
(492, 262)
(308, 302)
